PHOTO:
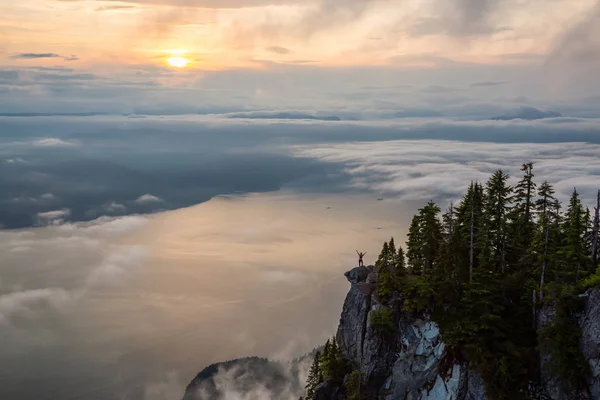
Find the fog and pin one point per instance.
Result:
(137, 251)
(133, 307)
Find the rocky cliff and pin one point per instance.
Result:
(409, 363)
(413, 363)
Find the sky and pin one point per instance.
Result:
(183, 182)
(362, 58)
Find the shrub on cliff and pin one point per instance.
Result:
(382, 321)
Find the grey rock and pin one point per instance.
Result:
(475, 388)
(589, 322)
(590, 339)
(358, 274)
(329, 391)
(409, 366)
(550, 384)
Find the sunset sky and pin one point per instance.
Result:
(96, 49)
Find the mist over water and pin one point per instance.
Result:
(133, 307)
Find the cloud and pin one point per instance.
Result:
(292, 115)
(34, 56)
(461, 18)
(251, 379)
(278, 50)
(527, 113)
(423, 169)
(54, 217)
(148, 198)
(114, 8)
(115, 207)
(28, 303)
(27, 56)
(45, 249)
(16, 160)
(574, 60)
(487, 84)
(119, 264)
(53, 142)
(224, 4)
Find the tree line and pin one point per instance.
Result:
(484, 267)
(482, 270)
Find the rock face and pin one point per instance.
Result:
(590, 339)
(411, 365)
(589, 322)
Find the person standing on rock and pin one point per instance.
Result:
(360, 258)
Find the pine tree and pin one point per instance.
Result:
(399, 264)
(333, 365)
(386, 283)
(383, 256)
(431, 232)
(391, 255)
(413, 246)
(468, 222)
(315, 377)
(521, 226)
(493, 238)
(573, 249)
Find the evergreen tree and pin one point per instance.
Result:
(413, 246)
(449, 249)
(431, 232)
(493, 238)
(386, 282)
(424, 239)
(383, 256)
(315, 377)
(391, 255)
(521, 220)
(573, 249)
(333, 365)
(469, 221)
(399, 264)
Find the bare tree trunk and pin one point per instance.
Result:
(471, 250)
(595, 234)
(544, 260)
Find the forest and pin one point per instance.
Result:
(482, 270)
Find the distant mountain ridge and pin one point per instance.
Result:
(283, 115)
(528, 113)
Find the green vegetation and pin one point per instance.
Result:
(382, 321)
(327, 365)
(560, 340)
(482, 270)
(352, 386)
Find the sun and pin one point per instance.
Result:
(176, 58)
(178, 62)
